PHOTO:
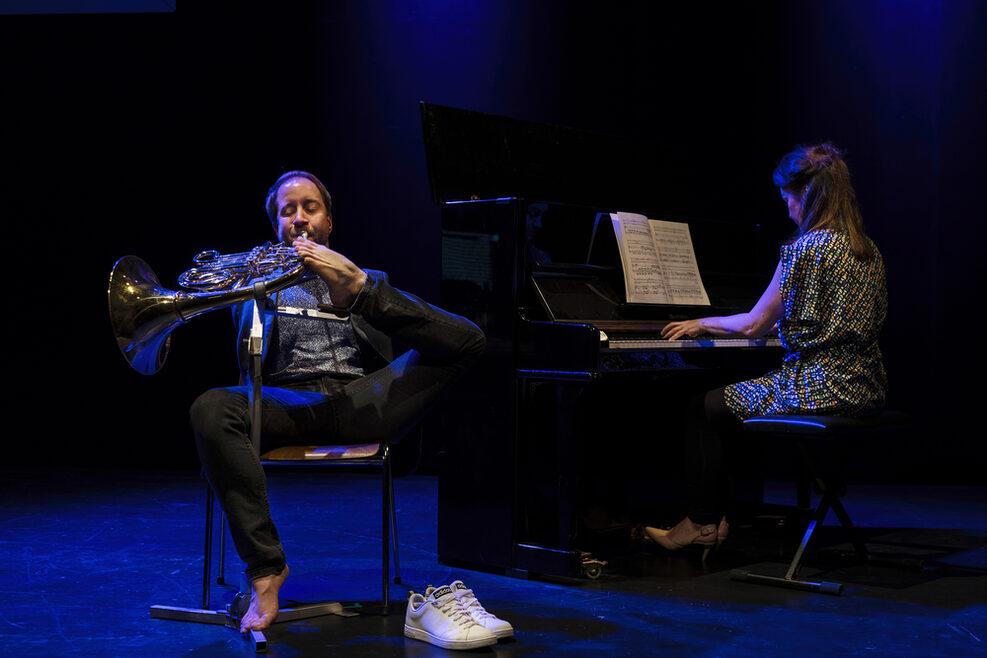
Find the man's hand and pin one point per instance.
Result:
(345, 280)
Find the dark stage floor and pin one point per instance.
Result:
(85, 554)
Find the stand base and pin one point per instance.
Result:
(234, 611)
(822, 587)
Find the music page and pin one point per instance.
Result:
(659, 261)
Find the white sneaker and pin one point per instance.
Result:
(440, 619)
(477, 612)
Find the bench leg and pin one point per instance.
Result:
(791, 579)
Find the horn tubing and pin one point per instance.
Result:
(143, 313)
(214, 271)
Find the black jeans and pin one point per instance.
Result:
(380, 405)
(713, 431)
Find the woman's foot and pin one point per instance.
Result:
(686, 533)
(722, 531)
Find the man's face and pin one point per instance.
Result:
(301, 208)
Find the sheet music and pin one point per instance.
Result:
(643, 276)
(683, 282)
(659, 261)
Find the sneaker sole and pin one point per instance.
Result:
(425, 636)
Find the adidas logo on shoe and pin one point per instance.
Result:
(477, 612)
(440, 619)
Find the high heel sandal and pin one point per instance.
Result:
(686, 533)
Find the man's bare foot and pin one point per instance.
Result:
(263, 608)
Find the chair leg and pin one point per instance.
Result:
(207, 552)
(385, 531)
(791, 580)
(851, 530)
(394, 528)
(861, 553)
(221, 578)
(820, 516)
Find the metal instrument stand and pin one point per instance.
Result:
(234, 611)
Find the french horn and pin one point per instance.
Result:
(143, 313)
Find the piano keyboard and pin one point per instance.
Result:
(686, 344)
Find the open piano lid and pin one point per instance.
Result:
(473, 155)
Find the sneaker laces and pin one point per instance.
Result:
(453, 609)
(473, 605)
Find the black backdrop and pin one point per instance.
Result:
(158, 133)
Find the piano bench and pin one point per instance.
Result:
(824, 443)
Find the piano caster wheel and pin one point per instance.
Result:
(591, 567)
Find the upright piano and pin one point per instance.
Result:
(571, 428)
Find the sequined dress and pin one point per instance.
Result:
(833, 310)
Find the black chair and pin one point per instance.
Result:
(823, 442)
(374, 458)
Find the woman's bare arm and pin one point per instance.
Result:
(752, 324)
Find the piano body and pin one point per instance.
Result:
(572, 426)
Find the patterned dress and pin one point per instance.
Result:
(833, 309)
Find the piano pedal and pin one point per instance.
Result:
(591, 567)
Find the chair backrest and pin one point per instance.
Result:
(316, 453)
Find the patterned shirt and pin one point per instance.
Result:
(306, 348)
(833, 309)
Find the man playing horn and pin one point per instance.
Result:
(325, 382)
